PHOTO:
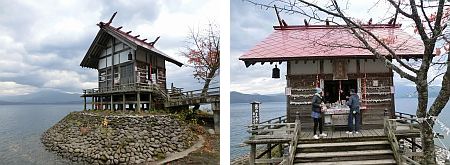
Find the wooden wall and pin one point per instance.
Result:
(379, 98)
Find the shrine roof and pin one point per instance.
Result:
(106, 31)
(332, 41)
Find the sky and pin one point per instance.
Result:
(250, 24)
(43, 42)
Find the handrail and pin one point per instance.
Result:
(280, 119)
(123, 87)
(265, 130)
(293, 145)
(179, 95)
(389, 128)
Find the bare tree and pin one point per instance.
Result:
(430, 23)
(203, 52)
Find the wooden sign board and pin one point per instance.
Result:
(340, 70)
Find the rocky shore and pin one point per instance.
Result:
(123, 139)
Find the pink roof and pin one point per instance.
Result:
(319, 42)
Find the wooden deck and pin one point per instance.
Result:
(338, 134)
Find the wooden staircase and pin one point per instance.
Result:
(346, 151)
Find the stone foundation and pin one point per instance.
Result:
(86, 137)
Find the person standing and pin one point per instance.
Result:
(353, 104)
(316, 113)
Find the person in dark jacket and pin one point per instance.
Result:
(316, 113)
(353, 104)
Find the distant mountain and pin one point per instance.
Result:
(237, 97)
(42, 97)
(402, 91)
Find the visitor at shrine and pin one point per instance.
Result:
(353, 104)
(316, 113)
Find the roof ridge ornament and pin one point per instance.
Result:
(278, 16)
(153, 43)
(111, 19)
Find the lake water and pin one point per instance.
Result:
(240, 114)
(21, 127)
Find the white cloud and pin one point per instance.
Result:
(12, 88)
(43, 42)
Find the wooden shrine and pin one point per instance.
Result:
(131, 71)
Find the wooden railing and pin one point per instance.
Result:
(289, 160)
(179, 95)
(389, 129)
(274, 133)
(122, 88)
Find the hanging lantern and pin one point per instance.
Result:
(130, 56)
(275, 72)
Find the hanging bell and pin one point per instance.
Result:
(130, 56)
(275, 72)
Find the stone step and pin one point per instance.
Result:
(357, 162)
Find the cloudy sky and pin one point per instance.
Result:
(43, 42)
(250, 24)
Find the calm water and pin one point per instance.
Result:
(241, 117)
(21, 127)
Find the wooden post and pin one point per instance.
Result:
(93, 102)
(101, 102)
(414, 148)
(138, 104)
(269, 146)
(84, 103)
(149, 101)
(112, 105)
(123, 102)
(215, 106)
(252, 154)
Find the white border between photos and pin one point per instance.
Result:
(225, 82)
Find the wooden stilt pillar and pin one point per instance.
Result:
(149, 101)
(92, 102)
(252, 154)
(84, 103)
(138, 104)
(101, 102)
(269, 154)
(123, 102)
(112, 104)
(215, 106)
